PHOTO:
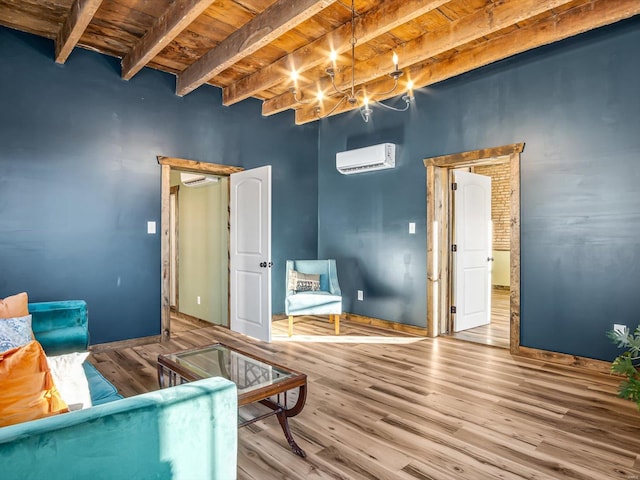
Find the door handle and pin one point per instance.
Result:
(489, 259)
(263, 264)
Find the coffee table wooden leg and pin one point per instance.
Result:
(284, 423)
(160, 375)
(284, 413)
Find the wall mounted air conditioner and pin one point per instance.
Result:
(196, 179)
(367, 159)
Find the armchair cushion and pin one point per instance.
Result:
(313, 303)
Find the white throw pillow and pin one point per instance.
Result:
(71, 380)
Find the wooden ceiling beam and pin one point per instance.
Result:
(493, 18)
(592, 14)
(372, 24)
(168, 26)
(280, 17)
(82, 11)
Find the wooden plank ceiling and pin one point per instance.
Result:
(249, 48)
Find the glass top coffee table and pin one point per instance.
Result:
(258, 381)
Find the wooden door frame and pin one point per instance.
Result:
(438, 238)
(182, 164)
(175, 190)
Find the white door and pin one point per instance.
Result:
(472, 259)
(250, 261)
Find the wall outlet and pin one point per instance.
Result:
(412, 228)
(198, 299)
(618, 327)
(151, 228)
(360, 295)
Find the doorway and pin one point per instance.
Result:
(199, 249)
(182, 165)
(489, 301)
(439, 262)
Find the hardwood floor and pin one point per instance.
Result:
(387, 405)
(497, 332)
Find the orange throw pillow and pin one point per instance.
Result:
(14, 306)
(27, 391)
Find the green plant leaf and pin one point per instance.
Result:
(626, 364)
(630, 389)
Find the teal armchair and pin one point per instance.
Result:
(327, 300)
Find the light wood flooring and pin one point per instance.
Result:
(495, 333)
(387, 405)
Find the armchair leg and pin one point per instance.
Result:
(337, 321)
(290, 325)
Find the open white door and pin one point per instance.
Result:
(250, 262)
(472, 260)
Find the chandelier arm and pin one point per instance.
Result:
(300, 100)
(407, 104)
(388, 92)
(335, 107)
(337, 90)
(361, 91)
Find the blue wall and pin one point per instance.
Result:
(79, 181)
(576, 105)
(79, 178)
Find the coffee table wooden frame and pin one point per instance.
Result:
(272, 396)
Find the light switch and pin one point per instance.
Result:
(151, 228)
(412, 227)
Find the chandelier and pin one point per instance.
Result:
(359, 98)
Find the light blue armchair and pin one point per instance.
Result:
(327, 300)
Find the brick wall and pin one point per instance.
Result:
(500, 207)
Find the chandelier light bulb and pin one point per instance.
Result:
(333, 56)
(395, 60)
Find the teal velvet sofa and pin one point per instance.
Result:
(184, 432)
